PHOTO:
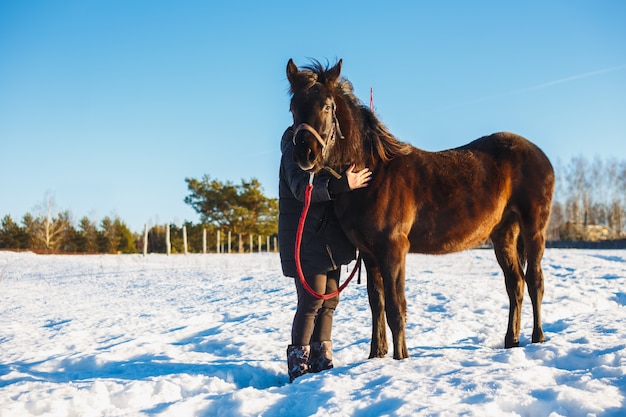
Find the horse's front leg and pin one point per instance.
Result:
(376, 295)
(392, 268)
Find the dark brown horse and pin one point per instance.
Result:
(498, 187)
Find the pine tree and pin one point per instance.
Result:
(126, 239)
(87, 236)
(108, 236)
(238, 208)
(12, 236)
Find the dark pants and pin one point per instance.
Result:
(313, 321)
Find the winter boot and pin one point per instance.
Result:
(297, 361)
(321, 356)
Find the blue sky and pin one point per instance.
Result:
(109, 105)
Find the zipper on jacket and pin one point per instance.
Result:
(330, 255)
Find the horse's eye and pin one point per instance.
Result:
(327, 108)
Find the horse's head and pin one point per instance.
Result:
(314, 113)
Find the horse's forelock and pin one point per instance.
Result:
(311, 74)
(305, 80)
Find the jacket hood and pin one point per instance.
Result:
(287, 137)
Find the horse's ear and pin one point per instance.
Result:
(298, 80)
(333, 73)
(292, 71)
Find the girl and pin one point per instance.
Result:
(324, 249)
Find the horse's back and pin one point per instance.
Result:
(465, 192)
(506, 145)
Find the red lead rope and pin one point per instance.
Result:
(305, 211)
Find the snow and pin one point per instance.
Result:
(205, 335)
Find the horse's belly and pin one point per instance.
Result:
(452, 234)
(439, 247)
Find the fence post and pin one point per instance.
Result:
(204, 240)
(145, 240)
(267, 240)
(259, 247)
(251, 247)
(275, 244)
(229, 241)
(219, 244)
(168, 242)
(185, 238)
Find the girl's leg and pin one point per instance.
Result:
(321, 354)
(298, 353)
(307, 310)
(324, 321)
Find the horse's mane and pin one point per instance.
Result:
(368, 139)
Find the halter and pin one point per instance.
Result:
(336, 131)
(311, 130)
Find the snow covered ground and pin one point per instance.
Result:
(205, 335)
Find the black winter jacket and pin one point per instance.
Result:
(324, 245)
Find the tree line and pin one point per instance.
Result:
(51, 230)
(589, 200)
(589, 205)
(232, 209)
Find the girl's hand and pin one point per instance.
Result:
(358, 179)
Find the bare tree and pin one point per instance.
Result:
(47, 229)
(592, 198)
(618, 200)
(597, 204)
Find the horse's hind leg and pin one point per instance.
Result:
(505, 238)
(534, 279)
(376, 295)
(533, 233)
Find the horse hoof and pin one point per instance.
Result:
(399, 358)
(378, 354)
(510, 344)
(400, 353)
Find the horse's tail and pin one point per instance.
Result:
(521, 253)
